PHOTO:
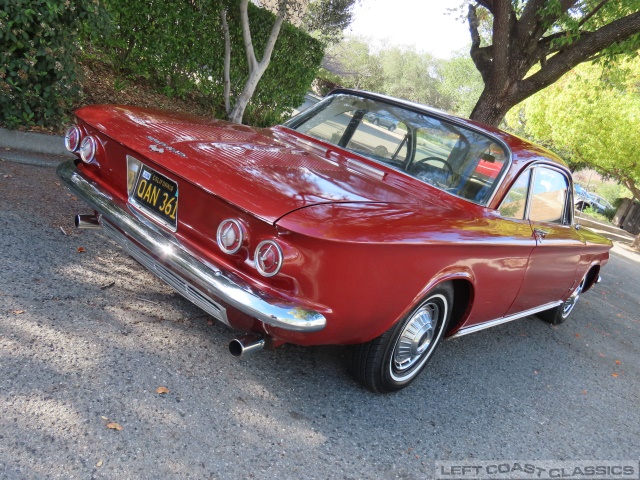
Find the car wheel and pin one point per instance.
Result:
(394, 359)
(559, 314)
(376, 121)
(392, 128)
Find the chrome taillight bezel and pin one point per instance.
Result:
(239, 232)
(259, 258)
(88, 149)
(72, 138)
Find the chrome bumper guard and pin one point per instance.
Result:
(185, 271)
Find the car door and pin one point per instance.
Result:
(551, 270)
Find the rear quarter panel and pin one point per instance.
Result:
(373, 263)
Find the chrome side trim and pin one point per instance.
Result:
(359, 167)
(508, 318)
(212, 282)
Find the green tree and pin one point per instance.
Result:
(593, 117)
(352, 64)
(461, 84)
(327, 19)
(557, 35)
(398, 71)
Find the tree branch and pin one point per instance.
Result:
(488, 4)
(481, 56)
(503, 19)
(529, 19)
(273, 36)
(582, 49)
(227, 62)
(246, 35)
(592, 13)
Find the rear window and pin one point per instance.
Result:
(454, 159)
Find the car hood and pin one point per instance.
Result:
(267, 172)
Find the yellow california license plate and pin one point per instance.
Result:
(157, 195)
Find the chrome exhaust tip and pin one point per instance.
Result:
(246, 344)
(87, 221)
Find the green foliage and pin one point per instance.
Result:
(592, 116)
(461, 83)
(38, 48)
(588, 16)
(606, 218)
(453, 85)
(612, 192)
(327, 19)
(180, 44)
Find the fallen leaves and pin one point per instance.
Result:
(618, 362)
(614, 375)
(81, 250)
(18, 312)
(162, 390)
(99, 464)
(112, 425)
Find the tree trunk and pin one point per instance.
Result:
(227, 63)
(636, 243)
(256, 68)
(492, 107)
(245, 96)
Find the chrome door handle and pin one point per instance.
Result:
(540, 233)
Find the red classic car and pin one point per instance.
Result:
(329, 230)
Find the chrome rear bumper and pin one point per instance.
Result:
(202, 283)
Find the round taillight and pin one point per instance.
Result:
(72, 139)
(88, 149)
(230, 235)
(268, 258)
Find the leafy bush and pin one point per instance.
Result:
(606, 218)
(38, 46)
(180, 44)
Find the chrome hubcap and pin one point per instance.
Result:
(416, 337)
(570, 302)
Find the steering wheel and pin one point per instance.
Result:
(431, 174)
(436, 159)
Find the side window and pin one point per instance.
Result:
(549, 197)
(515, 202)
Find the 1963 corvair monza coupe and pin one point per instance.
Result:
(331, 229)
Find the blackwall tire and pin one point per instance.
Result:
(559, 314)
(394, 360)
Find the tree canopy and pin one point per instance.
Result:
(593, 117)
(556, 35)
(453, 85)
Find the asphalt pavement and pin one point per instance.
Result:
(88, 337)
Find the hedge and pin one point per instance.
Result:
(181, 44)
(177, 44)
(38, 47)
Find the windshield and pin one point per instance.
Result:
(455, 159)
